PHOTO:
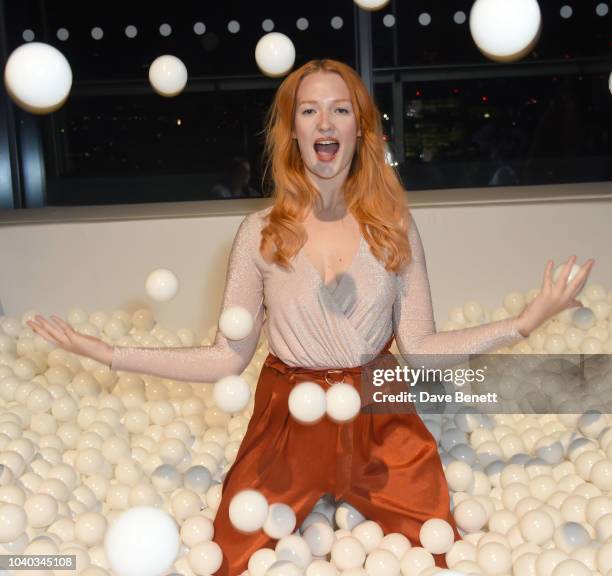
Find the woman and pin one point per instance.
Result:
(337, 264)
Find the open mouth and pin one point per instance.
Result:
(326, 149)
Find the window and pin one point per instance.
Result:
(451, 118)
(116, 141)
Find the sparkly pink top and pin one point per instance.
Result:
(307, 324)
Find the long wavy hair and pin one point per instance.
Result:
(372, 191)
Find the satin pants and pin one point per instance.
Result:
(385, 465)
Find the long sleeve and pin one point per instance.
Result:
(414, 326)
(243, 287)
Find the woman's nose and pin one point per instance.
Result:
(324, 121)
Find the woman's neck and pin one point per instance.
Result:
(332, 205)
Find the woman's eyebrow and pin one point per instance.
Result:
(316, 102)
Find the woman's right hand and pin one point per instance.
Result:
(62, 334)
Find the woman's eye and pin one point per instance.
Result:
(342, 110)
(307, 111)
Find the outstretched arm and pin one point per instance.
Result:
(243, 287)
(413, 318)
(414, 325)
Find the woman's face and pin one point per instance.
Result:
(325, 126)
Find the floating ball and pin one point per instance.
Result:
(307, 402)
(168, 75)
(143, 541)
(38, 77)
(503, 30)
(236, 323)
(275, 54)
(232, 393)
(343, 402)
(371, 5)
(161, 285)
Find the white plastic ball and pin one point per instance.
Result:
(505, 31)
(601, 475)
(348, 553)
(547, 560)
(571, 536)
(574, 270)
(470, 515)
(514, 302)
(236, 323)
(571, 567)
(232, 393)
(161, 285)
(89, 528)
(320, 537)
(280, 521)
(536, 526)
(382, 563)
(307, 402)
(275, 54)
(166, 478)
(321, 568)
(369, 533)
(343, 402)
(460, 476)
(205, 557)
(196, 529)
(248, 511)
(260, 561)
(168, 75)
(347, 517)
(198, 478)
(494, 558)
(396, 543)
(41, 510)
(371, 5)
(185, 503)
(583, 318)
(13, 522)
(415, 561)
(284, 568)
(38, 77)
(293, 548)
(473, 311)
(436, 536)
(143, 541)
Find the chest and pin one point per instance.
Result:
(331, 249)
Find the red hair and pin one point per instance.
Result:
(372, 191)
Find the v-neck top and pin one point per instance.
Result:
(308, 325)
(309, 264)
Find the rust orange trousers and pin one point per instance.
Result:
(385, 465)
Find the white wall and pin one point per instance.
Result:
(98, 257)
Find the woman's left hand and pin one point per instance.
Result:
(554, 297)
